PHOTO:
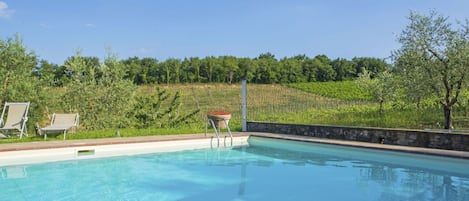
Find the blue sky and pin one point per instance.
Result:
(162, 29)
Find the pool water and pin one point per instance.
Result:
(267, 169)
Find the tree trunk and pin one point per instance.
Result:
(381, 103)
(230, 76)
(448, 117)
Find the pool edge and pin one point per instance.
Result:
(407, 149)
(76, 144)
(77, 150)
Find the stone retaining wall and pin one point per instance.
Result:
(416, 138)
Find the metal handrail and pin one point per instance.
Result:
(217, 131)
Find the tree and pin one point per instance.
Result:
(90, 66)
(151, 68)
(171, 70)
(309, 69)
(208, 68)
(47, 73)
(344, 69)
(439, 53)
(373, 65)
(324, 72)
(381, 88)
(291, 71)
(246, 69)
(141, 71)
(266, 69)
(230, 64)
(186, 71)
(195, 64)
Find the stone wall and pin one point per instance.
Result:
(416, 138)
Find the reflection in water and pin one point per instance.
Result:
(13, 172)
(265, 170)
(395, 181)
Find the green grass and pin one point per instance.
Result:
(345, 90)
(364, 116)
(111, 133)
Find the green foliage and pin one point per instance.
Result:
(291, 71)
(361, 115)
(433, 60)
(289, 105)
(345, 90)
(275, 103)
(17, 83)
(263, 69)
(345, 70)
(149, 110)
(102, 98)
(430, 70)
(373, 65)
(381, 88)
(325, 72)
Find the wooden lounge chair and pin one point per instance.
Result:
(61, 123)
(16, 118)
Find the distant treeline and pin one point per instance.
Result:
(264, 69)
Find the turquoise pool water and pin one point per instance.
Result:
(266, 170)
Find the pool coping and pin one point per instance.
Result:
(103, 141)
(128, 140)
(400, 148)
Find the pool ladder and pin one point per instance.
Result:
(217, 132)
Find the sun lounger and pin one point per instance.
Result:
(61, 123)
(15, 118)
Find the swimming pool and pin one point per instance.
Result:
(267, 169)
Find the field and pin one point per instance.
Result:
(300, 103)
(346, 90)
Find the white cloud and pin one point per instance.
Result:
(3, 5)
(4, 11)
(90, 25)
(143, 50)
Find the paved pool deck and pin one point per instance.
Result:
(128, 140)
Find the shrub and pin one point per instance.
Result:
(150, 112)
(104, 101)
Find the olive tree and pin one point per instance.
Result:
(438, 52)
(381, 87)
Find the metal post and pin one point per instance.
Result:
(244, 106)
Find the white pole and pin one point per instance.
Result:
(244, 106)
